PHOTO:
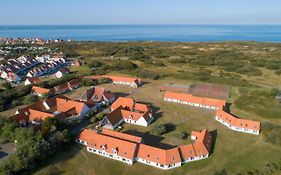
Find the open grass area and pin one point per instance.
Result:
(236, 152)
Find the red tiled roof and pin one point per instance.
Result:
(122, 142)
(127, 103)
(237, 122)
(161, 156)
(98, 141)
(202, 145)
(96, 94)
(123, 79)
(34, 80)
(39, 116)
(40, 90)
(60, 107)
(128, 109)
(193, 99)
(121, 135)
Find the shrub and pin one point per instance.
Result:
(272, 133)
(124, 65)
(103, 80)
(89, 82)
(182, 135)
(258, 63)
(30, 99)
(177, 60)
(94, 63)
(272, 66)
(147, 74)
(161, 129)
(6, 85)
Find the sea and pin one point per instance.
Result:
(126, 33)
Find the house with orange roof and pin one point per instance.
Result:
(67, 86)
(127, 110)
(111, 147)
(129, 149)
(32, 80)
(131, 81)
(160, 158)
(59, 107)
(36, 90)
(189, 99)
(232, 122)
(98, 95)
(237, 124)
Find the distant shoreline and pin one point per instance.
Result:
(156, 33)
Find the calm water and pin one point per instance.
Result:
(147, 32)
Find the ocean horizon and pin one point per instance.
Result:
(126, 33)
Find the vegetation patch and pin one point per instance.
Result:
(261, 102)
(272, 133)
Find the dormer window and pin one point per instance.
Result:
(115, 151)
(103, 147)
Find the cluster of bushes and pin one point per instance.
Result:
(32, 147)
(272, 133)
(269, 169)
(14, 97)
(124, 65)
(177, 60)
(160, 129)
(261, 102)
(142, 73)
(94, 64)
(96, 117)
(269, 64)
(207, 76)
(57, 81)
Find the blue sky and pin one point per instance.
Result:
(140, 12)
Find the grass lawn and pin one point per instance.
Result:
(234, 151)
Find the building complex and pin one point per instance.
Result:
(130, 149)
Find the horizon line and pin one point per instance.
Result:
(234, 24)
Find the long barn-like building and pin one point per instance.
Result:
(130, 149)
(232, 122)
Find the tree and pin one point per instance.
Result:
(161, 129)
(100, 116)
(31, 148)
(49, 124)
(30, 99)
(7, 131)
(103, 80)
(94, 63)
(59, 138)
(89, 82)
(6, 85)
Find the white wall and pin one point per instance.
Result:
(111, 156)
(255, 132)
